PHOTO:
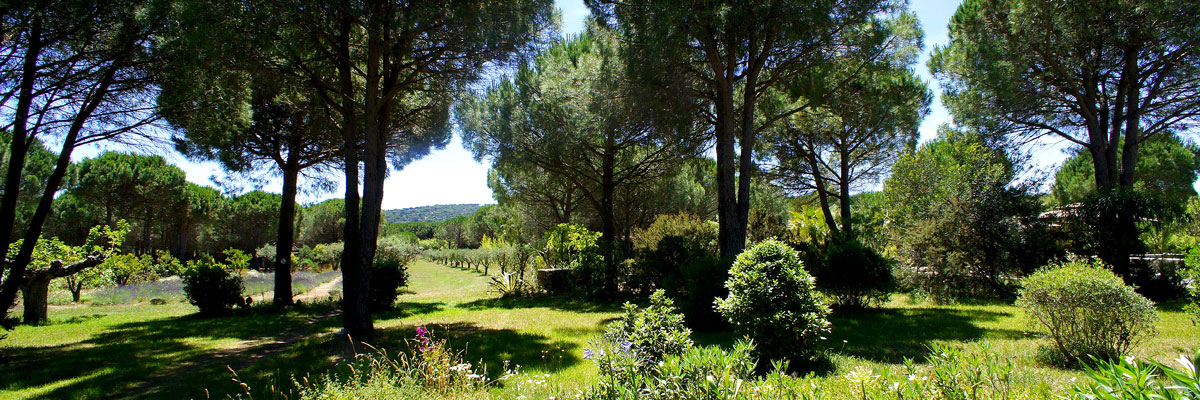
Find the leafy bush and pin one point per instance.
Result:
(853, 275)
(699, 232)
(654, 331)
(387, 277)
(125, 269)
(1191, 276)
(699, 373)
(1129, 379)
(571, 246)
(775, 302)
(210, 287)
(685, 268)
(1086, 310)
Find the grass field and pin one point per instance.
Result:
(145, 351)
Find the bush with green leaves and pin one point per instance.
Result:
(700, 232)
(685, 267)
(387, 277)
(774, 302)
(1086, 310)
(708, 372)
(654, 331)
(210, 286)
(389, 273)
(1129, 379)
(853, 275)
(1191, 279)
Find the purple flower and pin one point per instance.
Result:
(422, 332)
(627, 346)
(588, 354)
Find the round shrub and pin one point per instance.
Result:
(387, 277)
(853, 275)
(775, 302)
(1086, 310)
(653, 332)
(210, 287)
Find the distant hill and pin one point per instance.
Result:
(434, 213)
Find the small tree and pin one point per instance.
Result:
(775, 302)
(58, 260)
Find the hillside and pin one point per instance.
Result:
(434, 213)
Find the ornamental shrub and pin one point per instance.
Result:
(1086, 310)
(210, 287)
(774, 301)
(685, 267)
(853, 275)
(1191, 280)
(654, 331)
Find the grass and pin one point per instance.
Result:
(166, 352)
(171, 289)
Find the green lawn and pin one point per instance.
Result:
(166, 352)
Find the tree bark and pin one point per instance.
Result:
(608, 234)
(286, 238)
(844, 196)
(356, 316)
(35, 294)
(1133, 137)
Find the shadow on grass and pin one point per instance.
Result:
(406, 309)
(890, 335)
(160, 358)
(563, 303)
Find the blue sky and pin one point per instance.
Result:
(451, 175)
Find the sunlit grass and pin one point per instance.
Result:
(166, 352)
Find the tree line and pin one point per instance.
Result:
(804, 100)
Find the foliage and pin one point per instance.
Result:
(39, 164)
(430, 369)
(236, 260)
(1086, 310)
(685, 267)
(1166, 168)
(1088, 75)
(571, 246)
(774, 301)
(434, 213)
(853, 275)
(389, 273)
(696, 230)
(321, 223)
(1191, 274)
(1130, 379)
(653, 332)
(960, 225)
(210, 287)
(865, 109)
(708, 372)
(129, 268)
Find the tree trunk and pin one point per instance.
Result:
(286, 238)
(356, 316)
(732, 239)
(844, 197)
(608, 234)
(823, 195)
(36, 292)
(1133, 135)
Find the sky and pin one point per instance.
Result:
(453, 176)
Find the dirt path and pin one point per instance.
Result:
(320, 292)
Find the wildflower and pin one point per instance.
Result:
(627, 345)
(588, 354)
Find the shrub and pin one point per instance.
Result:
(853, 275)
(210, 287)
(128, 268)
(773, 301)
(1191, 276)
(697, 231)
(654, 331)
(387, 277)
(685, 268)
(708, 372)
(1086, 310)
